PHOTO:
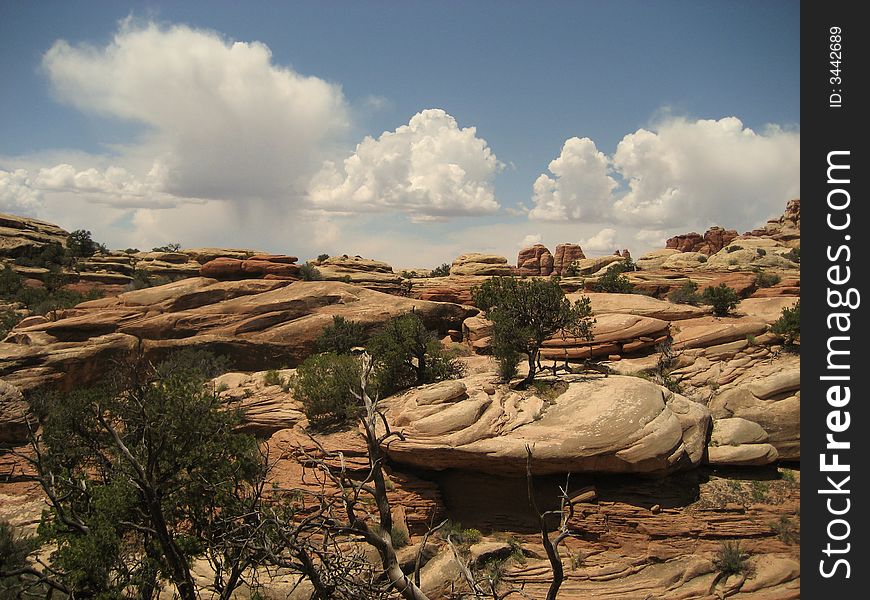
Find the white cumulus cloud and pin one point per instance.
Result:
(681, 174)
(580, 187)
(430, 168)
(530, 240)
(220, 117)
(603, 242)
(17, 194)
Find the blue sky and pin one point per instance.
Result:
(686, 115)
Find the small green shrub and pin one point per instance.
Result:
(572, 270)
(758, 490)
(731, 249)
(794, 255)
(731, 560)
(309, 272)
(723, 299)
(322, 257)
(686, 294)
(508, 361)
(441, 271)
(325, 385)
(399, 535)
(703, 259)
(789, 325)
(341, 336)
(174, 247)
(405, 354)
(80, 244)
(761, 252)
(273, 377)
(613, 281)
(786, 530)
(459, 535)
(765, 280)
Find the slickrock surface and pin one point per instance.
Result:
(605, 425)
(642, 306)
(255, 323)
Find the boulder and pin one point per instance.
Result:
(480, 264)
(685, 261)
(654, 259)
(773, 402)
(738, 442)
(257, 267)
(535, 260)
(565, 255)
(596, 265)
(607, 425)
(613, 334)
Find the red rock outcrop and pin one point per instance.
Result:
(786, 229)
(565, 255)
(713, 240)
(256, 267)
(535, 260)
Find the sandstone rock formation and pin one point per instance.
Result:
(617, 425)
(713, 240)
(738, 442)
(535, 260)
(744, 253)
(256, 267)
(771, 398)
(654, 259)
(22, 236)
(480, 264)
(372, 274)
(13, 410)
(596, 265)
(565, 255)
(786, 229)
(615, 334)
(255, 323)
(204, 255)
